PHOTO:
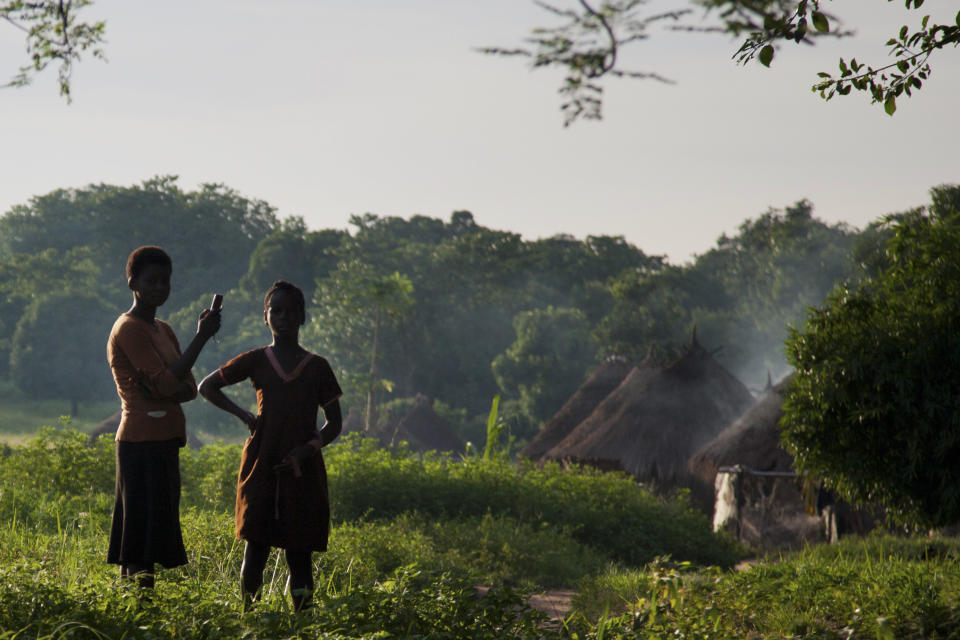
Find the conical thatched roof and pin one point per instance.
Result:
(424, 430)
(581, 404)
(651, 424)
(753, 440)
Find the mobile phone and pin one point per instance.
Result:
(217, 303)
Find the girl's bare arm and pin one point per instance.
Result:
(334, 424)
(211, 388)
(322, 437)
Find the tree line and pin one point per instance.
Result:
(868, 319)
(446, 308)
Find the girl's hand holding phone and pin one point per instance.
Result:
(209, 322)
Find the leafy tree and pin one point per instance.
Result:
(741, 295)
(562, 269)
(53, 353)
(210, 233)
(778, 265)
(548, 360)
(873, 410)
(648, 311)
(352, 308)
(54, 34)
(25, 277)
(468, 283)
(588, 44)
(295, 254)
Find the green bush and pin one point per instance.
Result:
(608, 512)
(878, 587)
(604, 510)
(488, 550)
(403, 573)
(61, 462)
(208, 476)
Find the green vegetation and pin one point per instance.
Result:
(587, 46)
(413, 537)
(877, 587)
(55, 35)
(874, 405)
(445, 308)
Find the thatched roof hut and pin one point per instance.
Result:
(423, 430)
(651, 424)
(767, 506)
(581, 404)
(752, 441)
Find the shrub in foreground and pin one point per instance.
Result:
(606, 511)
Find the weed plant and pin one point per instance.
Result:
(413, 536)
(879, 586)
(606, 511)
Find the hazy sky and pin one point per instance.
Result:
(326, 109)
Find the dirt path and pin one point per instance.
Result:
(554, 603)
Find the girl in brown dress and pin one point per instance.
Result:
(282, 485)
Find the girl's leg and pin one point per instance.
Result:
(143, 574)
(251, 571)
(300, 582)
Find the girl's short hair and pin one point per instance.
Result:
(148, 254)
(289, 287)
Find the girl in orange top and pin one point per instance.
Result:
(152, 377)
(282, 496)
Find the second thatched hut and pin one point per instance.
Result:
(758, 497)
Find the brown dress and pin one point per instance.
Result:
(275, 508)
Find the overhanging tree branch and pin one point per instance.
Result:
(588, 44)
(54, 35)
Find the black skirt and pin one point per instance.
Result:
(146, 514)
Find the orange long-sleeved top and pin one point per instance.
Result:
(140, 353)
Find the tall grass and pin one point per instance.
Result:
(875, 587)
(412, 537)
(606, 511)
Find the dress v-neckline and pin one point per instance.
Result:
(286, 377)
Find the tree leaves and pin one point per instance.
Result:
(890, 104)
(54, 34)
(766, 55)
(872, 409)
(589, 58)
(820, 22)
